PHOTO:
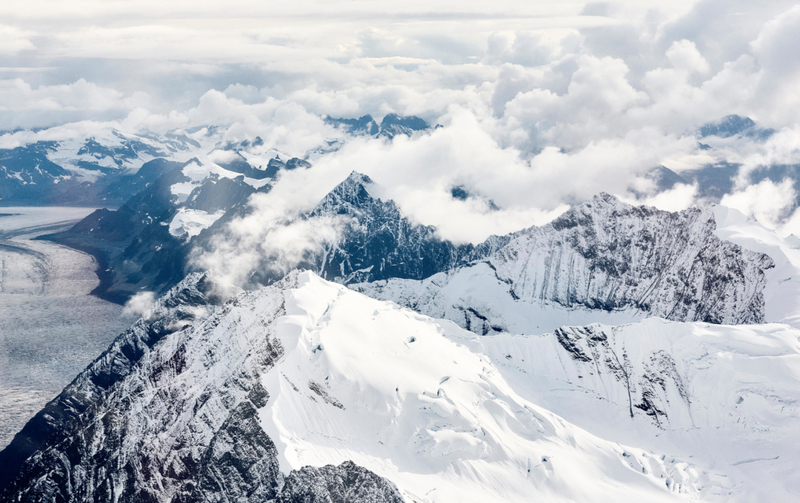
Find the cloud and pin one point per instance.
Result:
(770, 203)
(14, 40)
(678, 198)
(140, 305)
(18, 95)
(270, 241)
(542, 107)
(683, 55)
(419, 173)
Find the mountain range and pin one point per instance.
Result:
(617, 353)
(105, 167)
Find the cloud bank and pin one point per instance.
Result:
(541, 105)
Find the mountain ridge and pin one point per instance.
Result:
(602, 255)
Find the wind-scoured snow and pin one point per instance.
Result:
(392, 391)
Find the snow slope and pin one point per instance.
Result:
(723, 397)
(782, 292)
(390, 390)
(188, 223)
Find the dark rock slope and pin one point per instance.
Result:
(134, 246)
(169, 413)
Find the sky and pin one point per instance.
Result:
(543, 104)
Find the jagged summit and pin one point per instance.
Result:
(606, 254)
(378, 242)
(351, 193)
(364, 125)
(391, 125)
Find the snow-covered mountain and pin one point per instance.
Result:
(603, 260)
(724, 397)
(218, 402)
(205, 400)
(84, 170)
(619, 353)
(723, 175)
(95, 168)
(306, 389)
(391, 125)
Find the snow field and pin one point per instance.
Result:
(391, 390)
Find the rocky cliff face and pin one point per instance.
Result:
(376, 241)
(603, 255)
(170, 414)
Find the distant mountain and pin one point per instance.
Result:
(715, 180)
(144, 245)
(733, 125)
(364, 125)
(391, 125)
(99, 170)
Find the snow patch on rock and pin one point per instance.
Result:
(188, 223)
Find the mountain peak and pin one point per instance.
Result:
(606, 199)
(412, 122)
(351, 195)
(732, 125)
(363, 125)
(357, 178)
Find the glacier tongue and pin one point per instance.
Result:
(218, 402)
